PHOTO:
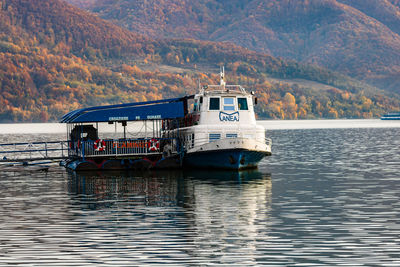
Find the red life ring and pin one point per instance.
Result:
(99, 145)
(153, 145)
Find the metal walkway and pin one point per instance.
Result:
(110, 148)
(31, 151)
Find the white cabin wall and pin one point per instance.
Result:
(210, 122)
(213, 116)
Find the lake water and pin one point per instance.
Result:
(328, 196)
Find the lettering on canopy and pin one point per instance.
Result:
(150, 117)
(118, 118)
(229, 116)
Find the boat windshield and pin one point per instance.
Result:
(229, 104)
(242, 103)
(214, 103)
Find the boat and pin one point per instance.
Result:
(391, 116)
(215, 128)
(222, 131)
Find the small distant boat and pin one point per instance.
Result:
(391, 116)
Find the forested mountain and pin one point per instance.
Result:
(82, 3)
(359, 38)
(55, 57)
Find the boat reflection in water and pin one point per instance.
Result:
(211, 214)
(165, 188)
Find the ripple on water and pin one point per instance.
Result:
(325, 198)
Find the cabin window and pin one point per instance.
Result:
(229, 104)
(214, 103)
(231, 135)
(242, 104)
(201, 102)
(195, 106)
(214, 137)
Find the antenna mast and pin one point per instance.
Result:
(222, 76)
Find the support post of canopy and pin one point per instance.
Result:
(124, 124)
(145, 129)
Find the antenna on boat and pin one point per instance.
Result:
(222, 75)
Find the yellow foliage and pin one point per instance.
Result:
(289, 99)
(302, 113)
(333, 113)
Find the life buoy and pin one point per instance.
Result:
(99, 145)
(153, 145)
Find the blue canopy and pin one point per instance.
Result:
(151, 110)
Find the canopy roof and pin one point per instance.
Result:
(151, 110)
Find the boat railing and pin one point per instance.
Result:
(123, 147)
(225, 88)
(189, 143)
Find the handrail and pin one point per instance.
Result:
(33, 143)
(71, 149)
(33, 150)
(235, 87)
(189, 144)
(124, 147)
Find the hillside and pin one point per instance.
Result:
(55, 58)
(359, 38)
(82, 3)
(53, 22)
(384, 11)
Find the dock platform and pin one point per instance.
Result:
(34, 151)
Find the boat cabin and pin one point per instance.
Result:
(221, 112)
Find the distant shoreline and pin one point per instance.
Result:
(56, 128)
(328, 124)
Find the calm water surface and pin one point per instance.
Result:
(327, 197)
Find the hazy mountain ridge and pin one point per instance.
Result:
(355, 37)
(385, 11)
